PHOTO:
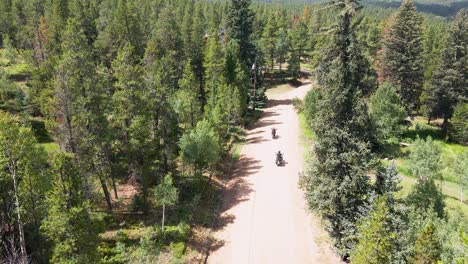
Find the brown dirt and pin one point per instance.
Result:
(263, 218)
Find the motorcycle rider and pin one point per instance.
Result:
(279, 157)
(273, 132)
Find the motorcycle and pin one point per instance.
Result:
(279, 159)
(273, 133)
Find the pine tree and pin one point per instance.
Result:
(299, 39)
(294, 65)
(68, 224)
(427, 248)
(56, 14)
(450, 81)
(186, 101)
(74, 79)
(236, 75)
(213, 63)
(239, 28)
(269, 42)
(376, 236)
(336, 183)
(458, 130)
(282, 46)
(79, 106)
(387, 182)
(402, 61)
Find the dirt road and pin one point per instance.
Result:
(263, 218)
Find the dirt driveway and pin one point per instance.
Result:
(263, 218)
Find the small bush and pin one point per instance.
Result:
(298, 104)
(178, 249)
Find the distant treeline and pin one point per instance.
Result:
(445, 9)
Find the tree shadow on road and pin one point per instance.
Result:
(275, 102)
(238, 189)
(256, 140)
(265, 123)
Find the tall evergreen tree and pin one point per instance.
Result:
(79, 108)
(269, 42)
(427, 248)
(376, 236)
(239, 28)
(402, 61)
(68, 224)
(458, 130)
(336, 183)
(450, 81)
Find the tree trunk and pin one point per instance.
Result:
(114, 186)
(20, 223)
(461, 195)
(445, 126)
(163, 216)
(106, 193)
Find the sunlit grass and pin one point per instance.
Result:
(50, 147)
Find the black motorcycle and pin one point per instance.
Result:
(273, 133)
(279, 159)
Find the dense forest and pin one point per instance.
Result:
(116, 114)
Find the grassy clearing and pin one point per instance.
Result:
(449, 151)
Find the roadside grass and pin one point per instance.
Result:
(307, 133)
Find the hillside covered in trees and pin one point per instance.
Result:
(116, 117)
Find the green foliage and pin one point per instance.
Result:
(200, 147)
(461, 172)
(186, 101)
(294, 65)
(23, 182)
(377, 238)
(68, 225)
(427, 248)
(268, 41)
(402, 61)
(387, 113)
(8, 52)
(311, 104)
(239, 22)
(458, 130)
(165, 193)
(12, 98)
(450, 79)
(387, 182)
(425, 164)
(424, 159)
(335, 182)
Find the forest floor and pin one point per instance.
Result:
(263, 218)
